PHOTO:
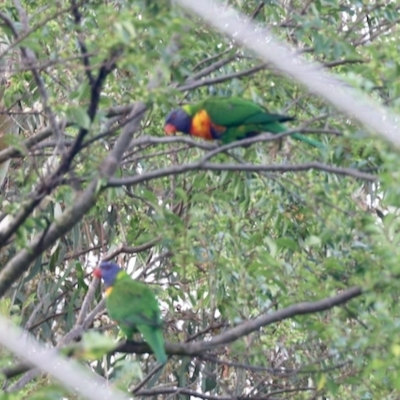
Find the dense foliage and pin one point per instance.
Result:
(222, 240)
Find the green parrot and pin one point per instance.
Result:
(133, 306)
(228, 119)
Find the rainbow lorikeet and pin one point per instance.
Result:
(228, 119)
(133, 306)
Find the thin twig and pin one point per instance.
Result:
(220, 79)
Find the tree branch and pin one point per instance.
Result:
(207, 166)
(230, 335)
(132, 249)
(43, 134)
(245, 328)
(53, 178)
(70, 373)
(211, 68)
(220, 79)
(21, 261)
(84, 51)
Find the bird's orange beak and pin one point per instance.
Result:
(169, 129)
(97, 273)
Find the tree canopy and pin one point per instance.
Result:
(275, 264)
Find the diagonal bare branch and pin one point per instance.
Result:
(247, 327)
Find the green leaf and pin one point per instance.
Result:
(78, 116)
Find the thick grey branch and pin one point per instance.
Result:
(247, 327)
(207, 166)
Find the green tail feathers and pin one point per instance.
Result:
(154, 337)
(305, 139)
(280, 128)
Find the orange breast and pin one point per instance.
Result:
(203, 127)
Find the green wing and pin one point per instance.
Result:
(244, 118)
(134, 307)
(234, 111)
(133, 302)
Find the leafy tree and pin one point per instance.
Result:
(253, 251)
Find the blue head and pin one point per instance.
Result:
(108, 272)
(177, 121)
